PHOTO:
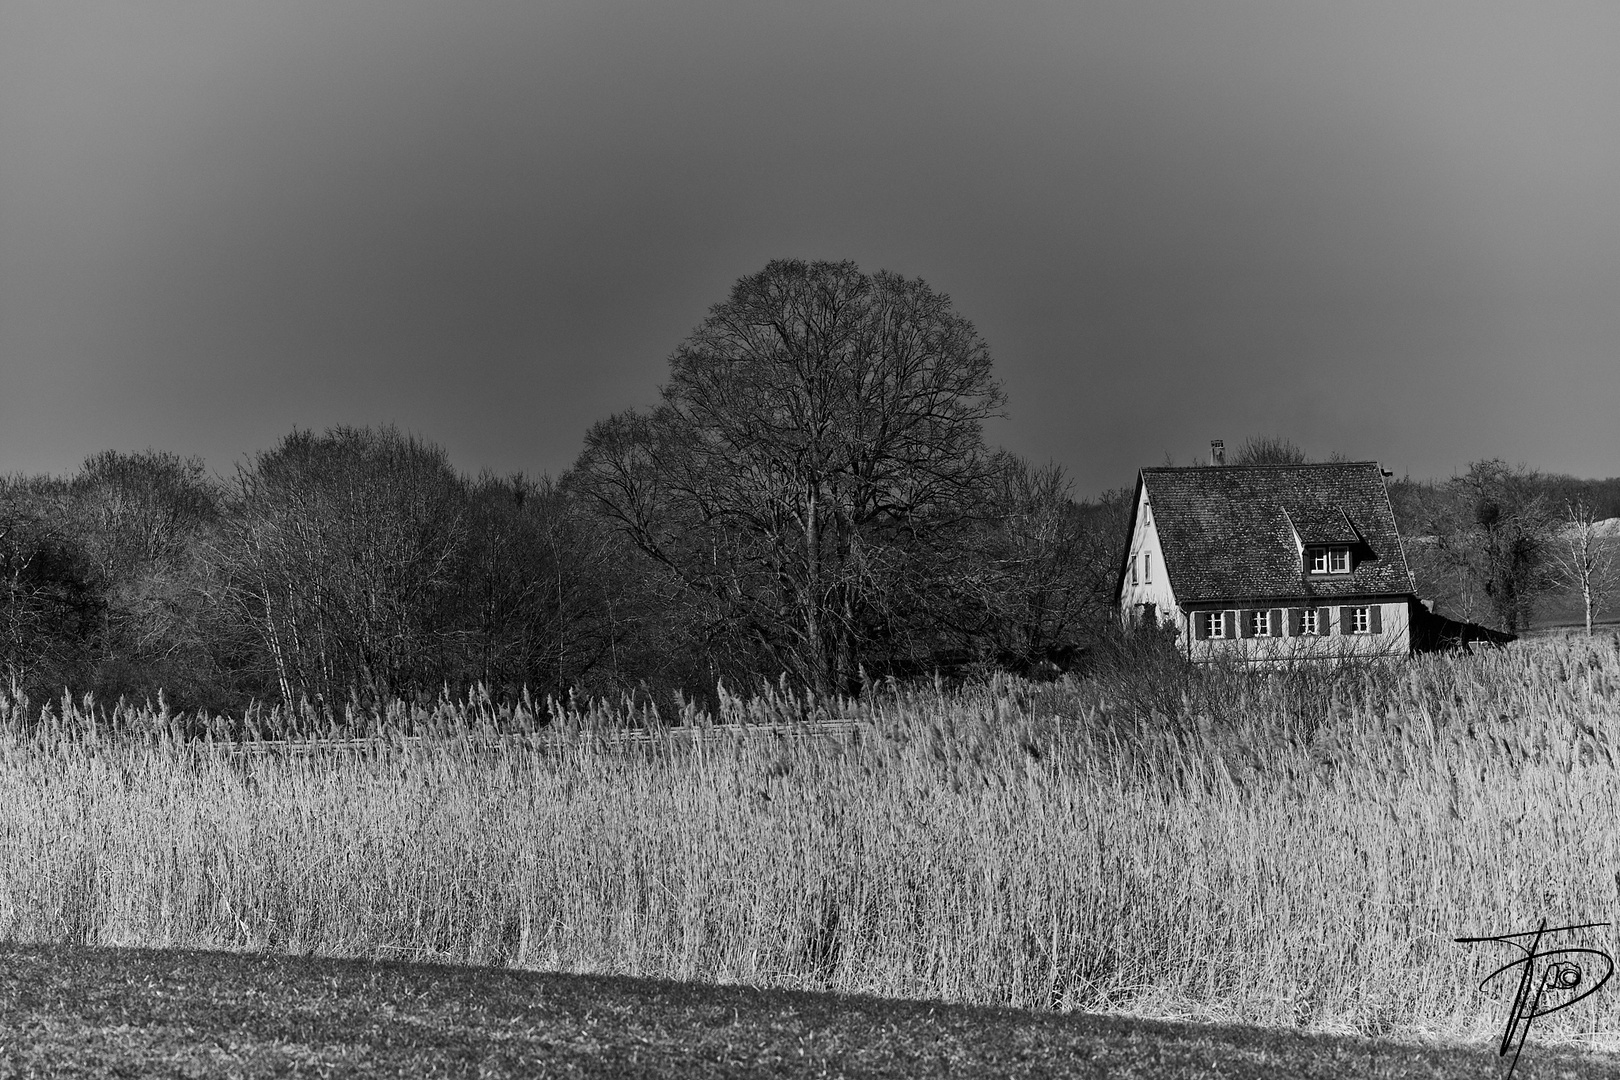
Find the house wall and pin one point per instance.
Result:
(1152, 585)
(1393, 639)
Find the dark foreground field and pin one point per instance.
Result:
(125, 1012)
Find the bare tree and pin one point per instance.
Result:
(340, 553)
(145, 520)
(1493, 535)
(820, 431)
(548, 598)
(1047, 572)
(1268, 450)
(1583, 560)
(51, 598)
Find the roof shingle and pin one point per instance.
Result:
(1227, 531)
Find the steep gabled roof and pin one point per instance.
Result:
(1228, 531)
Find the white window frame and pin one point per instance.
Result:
(1339, 560)
(1361, 620)
(1133, 568)
(1260, 623)
(1147, 567)
(1310, 622)
(1215, 624)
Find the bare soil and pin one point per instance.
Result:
(75, 1011)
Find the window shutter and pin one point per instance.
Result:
(1244, 629)
(1276, 622)
(1346, 620)
(1201, 625)
(1234, 624)
(1324, 621)
(1294, 621)
(1377, 624)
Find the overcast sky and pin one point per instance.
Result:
(1388, 230)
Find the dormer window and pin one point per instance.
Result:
(1328, 560)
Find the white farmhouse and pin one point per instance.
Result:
(1269, 562)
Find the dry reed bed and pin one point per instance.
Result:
(1295, 849)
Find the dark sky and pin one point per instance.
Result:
(1386, 229)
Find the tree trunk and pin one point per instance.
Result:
(812, 588)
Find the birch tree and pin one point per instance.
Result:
(1584, 560)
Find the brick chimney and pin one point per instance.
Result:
(1217, 452)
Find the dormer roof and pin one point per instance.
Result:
(1318, 523)
(1234, 532)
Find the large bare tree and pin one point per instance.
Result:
(820, 433)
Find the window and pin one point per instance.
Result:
(1147, 514)
(1309, 624)
(1325, 560)
(1260, 624)
(1214, 624)
(1147, 567)
(1133, 568)
(1360, 621)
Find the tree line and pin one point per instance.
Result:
(812, 497)
(1497, 543)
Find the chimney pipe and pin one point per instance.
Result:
(1217, 452)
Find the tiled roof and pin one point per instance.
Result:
(1227, 531)
(1320, 523)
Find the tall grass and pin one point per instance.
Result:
(1295, 848)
